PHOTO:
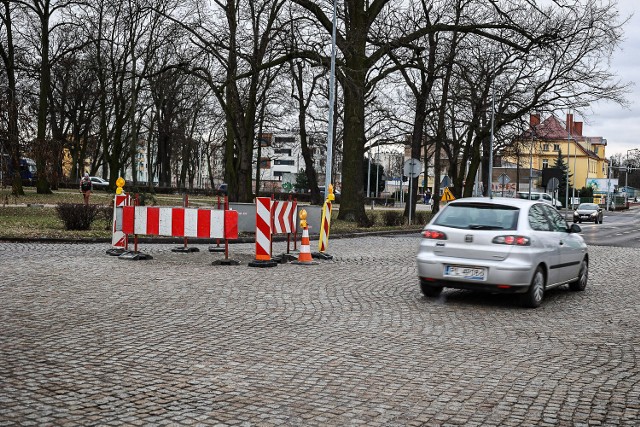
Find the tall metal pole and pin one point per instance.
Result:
(377, 171)
(493, 111)
(368, 176)
(531, 164)
(566, 183)
(609, 186)
(332, 97)
(575, 171)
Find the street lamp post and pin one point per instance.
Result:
(377, 170)
(493, 112)
(626, 175)
(332, 96)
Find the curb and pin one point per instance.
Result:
(179, 240)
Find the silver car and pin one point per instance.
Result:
(501, 245)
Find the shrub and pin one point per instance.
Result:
(423, 217)
(76, 216)
(392, 218)
(105, 214)
(367, 221)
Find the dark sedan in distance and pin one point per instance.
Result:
(588, 212)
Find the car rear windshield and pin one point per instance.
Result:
(476, 216)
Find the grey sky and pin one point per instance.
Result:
(620, 126)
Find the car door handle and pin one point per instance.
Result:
(561, 243)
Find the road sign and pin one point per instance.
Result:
(446, 182)
(553, 184)
(504, 179)
(447, 196)
(412, 168)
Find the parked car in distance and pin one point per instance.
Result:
(547, 198)
(588, 212)
(99, 183)
(501, 245)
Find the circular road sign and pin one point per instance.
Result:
(553, 184)
(412, 168)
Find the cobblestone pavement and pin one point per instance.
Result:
(88, 339)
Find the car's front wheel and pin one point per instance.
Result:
(583, 276)
(429, 290)
(533, 297)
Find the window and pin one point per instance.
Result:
(545, 163)
(284, 162)
(285, 151)
(558, 223)
(545, 147)
(285, 139)
(475, 216)
(537, 220)
(556, 147)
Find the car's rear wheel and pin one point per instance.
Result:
(430, 290)
(534, 295)
(583, 276)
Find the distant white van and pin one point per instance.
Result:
(540, 196)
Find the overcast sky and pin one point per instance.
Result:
(619, 126)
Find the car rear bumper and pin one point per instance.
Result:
(500, 276)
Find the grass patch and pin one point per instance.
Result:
(43, 223)
(38, 219)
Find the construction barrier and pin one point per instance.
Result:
(283, 216)
(217, 247)
(119, 243)
(178, 222)
(264, 223)
(325, 226)
(185, 243)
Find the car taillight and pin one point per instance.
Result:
(512, 240)
(433, 234)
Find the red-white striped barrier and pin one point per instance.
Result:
(284, 217)
(180, 222)
(263, 229)
(118, 237)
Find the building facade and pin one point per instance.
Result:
(538, 149)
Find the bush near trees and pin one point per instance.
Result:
(76, 216)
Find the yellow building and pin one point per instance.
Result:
(539, 147)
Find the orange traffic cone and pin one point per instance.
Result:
(304, 257)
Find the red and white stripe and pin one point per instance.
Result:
(180, 222)
(118, 237)
(263, 228)
(284, 217)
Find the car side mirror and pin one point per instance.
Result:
(575, 228)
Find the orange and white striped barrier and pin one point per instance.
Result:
(304, 257)
(263, 234)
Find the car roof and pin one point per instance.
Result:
(504, 201)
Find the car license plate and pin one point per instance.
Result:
(462, 272)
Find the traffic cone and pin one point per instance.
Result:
(304, 257)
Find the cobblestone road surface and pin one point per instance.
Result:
(88, 339)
